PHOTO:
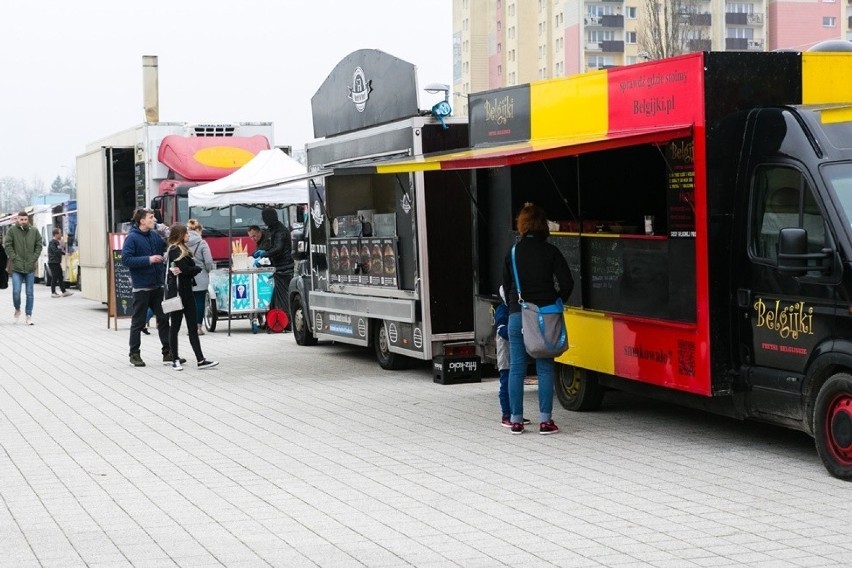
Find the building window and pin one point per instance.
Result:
(600, 61)
(594, 36)
(511, 9)
(741, 33)
(630, 37)
(464, 24)
(630, 12)
(512, 32)
(739, 8)
(499, 47)
(829, 21)
(499, 69)
(499, 25)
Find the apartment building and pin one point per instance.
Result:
(499, 43)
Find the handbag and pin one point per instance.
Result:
(173, 304)
(543, 327)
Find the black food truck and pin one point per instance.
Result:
(385, 261)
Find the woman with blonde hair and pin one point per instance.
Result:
(179, 281)
(203, 260)
(538, 263)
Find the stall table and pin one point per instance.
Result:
(238, 294)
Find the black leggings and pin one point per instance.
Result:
(189, 314)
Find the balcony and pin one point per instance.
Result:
(612, 46)
(743, 44)
(612, 21)
(740, 19)
(593, 46)
(699, 19)
(699, 45)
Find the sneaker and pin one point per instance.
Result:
(507, 423)
(66, 294)
(136, 360)
(55, 295)
(205, 364)
(30, 320)
(167, 359)
(145, 331)
(517, 428)
(548, 427)
(176, 365)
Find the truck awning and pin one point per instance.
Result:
(518, 152)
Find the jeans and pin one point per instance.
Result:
(503, 393)
(142, 301)
(19, 278)
(200, 297)
(518, 369)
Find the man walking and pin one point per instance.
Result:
(142, 254)
(280, 255)
(55, 252)
(23, 246)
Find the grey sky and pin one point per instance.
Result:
(72, 69)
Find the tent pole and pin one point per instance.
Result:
(230, 264)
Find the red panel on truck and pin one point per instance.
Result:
(209, 158)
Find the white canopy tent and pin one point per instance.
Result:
(270, 177)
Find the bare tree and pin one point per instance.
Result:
(16, 193)
(673, 27)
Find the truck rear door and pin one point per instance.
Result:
(783, 317)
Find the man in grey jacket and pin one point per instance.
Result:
(23, 245)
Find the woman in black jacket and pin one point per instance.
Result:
(179, 281)
(538, 262)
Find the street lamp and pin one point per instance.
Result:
(441, 109)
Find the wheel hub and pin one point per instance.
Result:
(840, 427)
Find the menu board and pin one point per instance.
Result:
(364, 261)
(120, 293)
(681, 188)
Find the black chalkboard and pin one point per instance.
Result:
(569, 246)
(121, 293)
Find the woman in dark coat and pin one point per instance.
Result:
(179, 281)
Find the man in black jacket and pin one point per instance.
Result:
(281, 256)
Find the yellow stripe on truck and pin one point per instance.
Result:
(826, 78)
(588, 112)
(590, 341)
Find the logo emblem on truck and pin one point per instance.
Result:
(316, 214)
(360, 90)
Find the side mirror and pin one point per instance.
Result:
(793, 255)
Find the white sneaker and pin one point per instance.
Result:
(176, 365)
(54, 295)
(30, 320)
(205, 364)
(66, 294)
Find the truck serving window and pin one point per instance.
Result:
(782, 198)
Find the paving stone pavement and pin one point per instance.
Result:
(314, 456)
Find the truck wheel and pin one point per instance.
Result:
(211, 314)
(833, 425)
(299, 323)
(578, 389)
(381, 344)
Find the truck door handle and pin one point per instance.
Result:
(743, 298)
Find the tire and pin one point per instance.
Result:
(211, 314)
(299, 322)
(833, 425)
(578, 389)
(387, 360)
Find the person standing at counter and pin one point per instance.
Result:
(203, 260)
(280, 254)
(180, 280)
(538, 263)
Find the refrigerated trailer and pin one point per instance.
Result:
(386, 261)
(704, 205)
(153, 164)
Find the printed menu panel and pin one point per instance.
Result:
(364, 261)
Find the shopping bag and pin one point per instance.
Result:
(544, 330)
(173, 304)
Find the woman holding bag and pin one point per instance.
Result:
(203, 260)
(538, 263)
(179, 282)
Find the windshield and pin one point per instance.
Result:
(838, 177)
(218, 219)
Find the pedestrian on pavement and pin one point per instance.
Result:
(23, 246)
(204, 260)
(180, 281)
(142, 254)
(281, 256)
(55, 252)
(538, 263)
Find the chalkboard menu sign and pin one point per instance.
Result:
(120, 297)
(569, 246)
(681, 189)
